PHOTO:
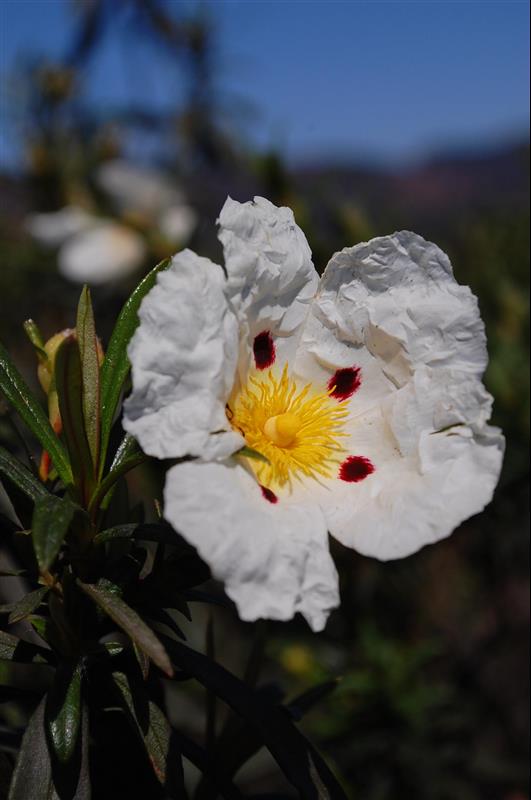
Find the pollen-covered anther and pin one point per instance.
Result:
(282, 429)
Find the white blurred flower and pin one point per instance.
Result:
(53, 228)
(138, 190)
(107, 252)
(96, 250)
(362, 390)
(134, 188)
(92, 249)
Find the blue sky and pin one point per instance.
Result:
(384, 80)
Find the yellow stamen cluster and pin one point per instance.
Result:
(296, 429)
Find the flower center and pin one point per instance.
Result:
(297, 429)
(282, 429)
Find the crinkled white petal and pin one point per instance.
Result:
(436, 463)
(53, 228)
(105, 253)
(273, 558)
(397, 297)
(183, 357)
(393, 308)
(270, 275)
(135, 188)
(178, 223)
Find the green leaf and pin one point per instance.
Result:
(126, 450)
(69, 384)
(33, 333)
(130, 622)
(51, 519)
(33, 778)
(307, 700)
(25, 606)
(17, 650)
(154, 731)
(63, 711)
(117, 532)
(33, 772)
(207, 766)
(300, 763)
(19, 395)
(116, 364)
(13, 469)
(90, 369)
(47, 630)
(110, 479)
(248, 452)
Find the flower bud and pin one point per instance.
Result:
(46, 367)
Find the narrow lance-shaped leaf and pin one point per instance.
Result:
(63, 711)
(110, 479)
(14, 649)
(130, 622)
(116, 365)
(33, 777)
(301, 764)
(25, 606)
(155, 732)
(33, 773)
(310, 698)
(69, 383)
(127, 450)
(21, 398)
(51, 519)
(90, 369)
(13, 469)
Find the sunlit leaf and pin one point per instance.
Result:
(116, 365)
(90, 369)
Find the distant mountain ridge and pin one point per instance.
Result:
(449, 185)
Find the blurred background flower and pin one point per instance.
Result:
(153, 217)
(125, 124)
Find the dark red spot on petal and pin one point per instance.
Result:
(344, 382)
(269, 495)
(355, 469)
(264, 350)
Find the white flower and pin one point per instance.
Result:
(96, 250)
(53, 228)
(139, 190)
(109, 251)
(92, 249)
(362, 390)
